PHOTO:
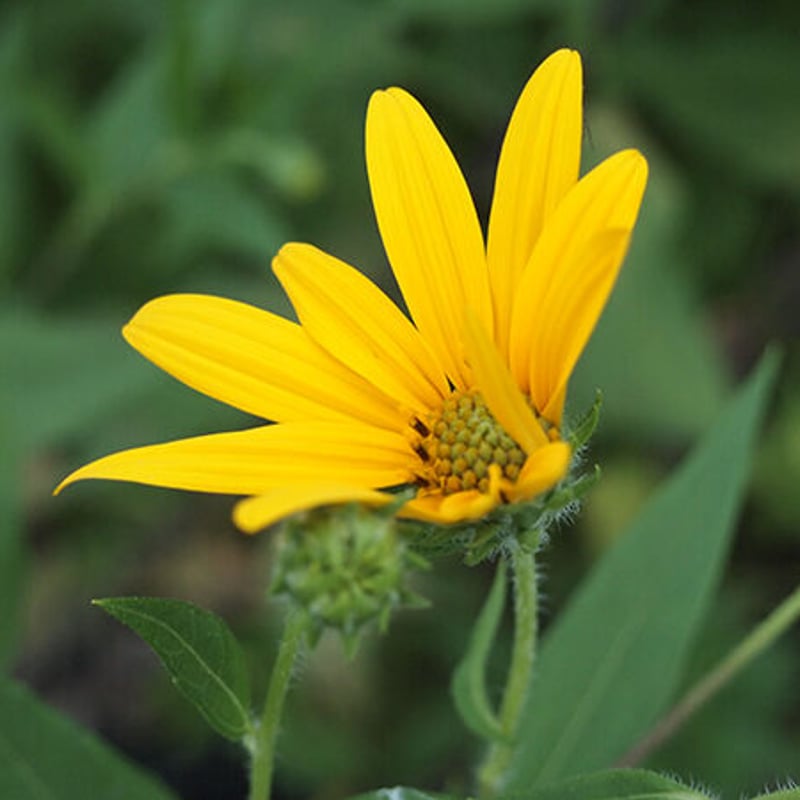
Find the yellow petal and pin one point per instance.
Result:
(449, 509)
(542, 470)
(572, 311)
(428, 224)
(256, 513)
(253, 360)
(258, 460)
(358, 324)
(607, 198)
(459, 506)
(497, 387)
(538, 163)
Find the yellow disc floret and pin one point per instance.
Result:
(460, 442)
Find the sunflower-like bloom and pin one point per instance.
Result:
(464, 403)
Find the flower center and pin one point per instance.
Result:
(460, 442)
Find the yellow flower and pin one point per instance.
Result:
(466, 402)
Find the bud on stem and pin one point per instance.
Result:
(346, 567)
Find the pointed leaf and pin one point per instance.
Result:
(623, 784)
(782, 794)
(615, 656)
(403, 793)
(198, 651)
(584, 427)
(45, 756)
(468, 686)
(617, 784)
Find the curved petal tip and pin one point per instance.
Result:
(254, 514)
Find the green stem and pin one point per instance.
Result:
(758, 640)
(493, 772)
(263, 745)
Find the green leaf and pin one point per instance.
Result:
(469, 679)
(53, 388)
(462, 12)
(618, 784)
(200, 653)
(215, 30)
(290, 166)
(45, 756)
(135, 111)
(621, 784)
(212, 209)
(616, 654)
(13, 560)
(732, 97)
(402, 793)
(13, 189)
(783, 794)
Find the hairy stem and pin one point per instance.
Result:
(493, 771)
(263, 744)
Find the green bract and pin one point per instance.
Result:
(346, 567)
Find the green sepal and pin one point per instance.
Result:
(200, 653)
(573, 491)
(780, 794)
(468, 685)
(478, 541)
(484, 543)
(435, 541)
(583, 429)
(314, 633)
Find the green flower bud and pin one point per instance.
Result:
(346, 566)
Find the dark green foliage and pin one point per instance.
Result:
(155, 147)
(44, 756)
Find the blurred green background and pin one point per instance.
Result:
(155, 147)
